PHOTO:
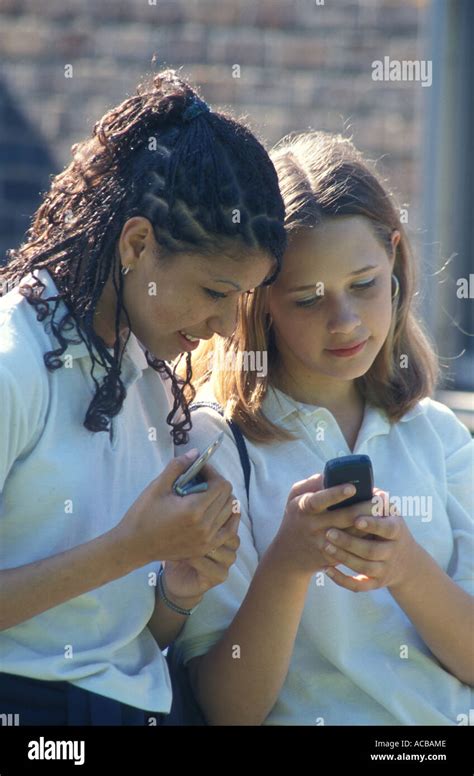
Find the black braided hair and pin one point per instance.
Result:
(163, 155)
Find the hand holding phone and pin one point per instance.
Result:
(356, 469)
(191, 481)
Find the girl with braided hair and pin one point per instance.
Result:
(140, 249)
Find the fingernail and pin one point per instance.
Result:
(362, 524)
(349, 490)
(191, 453)
(330, 548)
(332, 534)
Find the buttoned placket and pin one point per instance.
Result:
(334, 444)
(129, 374)
(133, 363)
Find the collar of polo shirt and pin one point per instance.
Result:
(134, 350)
(280, 408)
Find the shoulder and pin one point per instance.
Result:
(23, 341)
(433, 420)
(207, 425)
(207, 420)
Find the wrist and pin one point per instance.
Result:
(277, 560)
(413, 569)
(120, 550)
(182, 602)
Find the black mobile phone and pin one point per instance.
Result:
(356, 469)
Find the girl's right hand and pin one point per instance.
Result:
(301, 538)
(163, 526)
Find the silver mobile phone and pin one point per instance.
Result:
(191, 481)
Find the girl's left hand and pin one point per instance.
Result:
(387, 560)
(186, 581)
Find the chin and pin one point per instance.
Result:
(346, 371)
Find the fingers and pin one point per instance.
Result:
(224, 555)
(220, 508)
(381, 504)
(346, 545)
(210, 474)
(216, 568)
(358, 584)
(227, 534)
(227, 516)
(311, 485)
(217, 487)
(312, 503)
(233, 542)
(356, 532)
(364, 556)
(336, 554)
(388, 528)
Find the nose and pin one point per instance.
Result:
(224, 324)
(343, 319)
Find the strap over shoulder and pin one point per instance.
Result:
(238, 436)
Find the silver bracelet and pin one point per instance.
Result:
(170, 604)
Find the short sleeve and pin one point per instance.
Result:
(459, 461)
(460, 481)
(24, 394)
(18, 420)
(221, 603)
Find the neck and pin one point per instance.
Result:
(341, 397)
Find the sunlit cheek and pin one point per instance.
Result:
(302, 332)
(380, 316)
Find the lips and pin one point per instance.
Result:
(349, 350)
(189, 336)
(349, 347)
(187, 344)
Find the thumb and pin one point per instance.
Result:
(312, 484)
(380, 503)
(177, 466)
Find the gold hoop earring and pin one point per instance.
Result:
(397, 287)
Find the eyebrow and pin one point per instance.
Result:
(231, 282)
(351, 274)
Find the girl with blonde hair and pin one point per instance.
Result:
(286, 640)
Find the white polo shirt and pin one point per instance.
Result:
(62, 485)
(357, 659)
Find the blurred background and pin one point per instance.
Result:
(286, 65)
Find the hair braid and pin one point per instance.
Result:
(188, 178)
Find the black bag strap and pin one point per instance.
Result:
(238, 436)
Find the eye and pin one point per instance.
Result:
(367, 284)
(314, 299)
(215, 294)
(362, 286)
(308, 302)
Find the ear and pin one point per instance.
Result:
(136, 237)
(394, 239)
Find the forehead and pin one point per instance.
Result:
(337, 245)
(248, 269)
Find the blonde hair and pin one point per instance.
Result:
(324, 176)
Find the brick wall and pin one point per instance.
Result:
(301, 65)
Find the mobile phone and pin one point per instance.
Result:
(191, 481)
(356, 469)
